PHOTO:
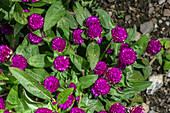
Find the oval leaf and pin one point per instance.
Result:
(87, 81)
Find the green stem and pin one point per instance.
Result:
(106, 50)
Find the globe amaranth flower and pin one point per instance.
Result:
(117, 108)
(5, 53)
(92, 21)
(100, 68)
(124, 45)
(76, 36)
(76, 110)
(19, 61)
(58, 44)
(72, 85)
(6, 29)
(35, 21)
(68, 103)
(61, 63)
(0, 71)
(154, 47)
(77, 98)
(2, 103)
(114, 75)
(51, 83)
(34, 38)
(102, 111)
(121, 65)
(95, 32)
(119, 34)
(127, 56)
(43, 110)
(100, 87)
(137, 109)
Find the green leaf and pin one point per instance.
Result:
(167, 44)
(3, 77)
(137, 99)
(140, 86)
(136, 76)
(87, 81)
(62, 97)
(17, 28)
(30, 84)
(36, 4)
(12, 97)
(166, 65)
(4, 4)
(19, 15)
(55, 13)
(99, 106)
(131, 35)
(35, 10)
(71, 20)
(1, 16)
(22, 106)
(93, 54)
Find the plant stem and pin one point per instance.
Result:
(151, 62)
(106, 50)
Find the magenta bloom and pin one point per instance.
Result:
(76, 110)
(18, 61)
(6, 111)
(6, 29)
(102, 112)
(127, 56)
(154, 47)
(58, 44)
(137, 109)
(124, 45)
(77, 98)
(109, 51)
(95, 32)
(77, 36)
(35, 21)
(5, 53)
(61, 63)
(72, 85)
(68, 103)
(25, 0)
(43, 110)
(114, 75)
(100, 68)
(34, 38)
(26, 10)
(2, 103)
(119, 34)
(92, 21)
(121, 65)
(51, 83)
(117, 108)
(0, 71)
(100, 87)
(120, 89)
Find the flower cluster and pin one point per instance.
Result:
(76, 36)
(154, 47)
(102, 112)
(5, 53)
(6, 29)
(61, 63)
(2, 103)
(100, 68)
(34, 38)
(137, 109)
(117, 108)
(72, 85)
(124, 45)
(51, 83)
(76, 110)
(58, 44)
(43, 110)
(19, 61)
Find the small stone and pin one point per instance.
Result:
(138, 36)
(161, 2)
(167, 23)
(111, 0)
(151, 10)
(145, 107)
(160, 21)
(157, 82)
(168, 1)
(152, 111)
(168, 74)
(146, 27)
(164, 18)
(166, 12)
(127, 17)
(156, 25)
(112, 6)
(150, 5)
(110, 13)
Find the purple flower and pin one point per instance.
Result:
(94, 32)
(76, 110)
(102, 111)
(124, 45)
(127, 56)
(26, 10)
(19, 61)
(35, 21)
(25, 0)
(109, 51)
(154, 47)
(114, 75)
(100, 68)
(92, 21)
(117, 108)
(72, 85)
(43, 110)
(6, 29)
(119, 34)
(77, 98)
(68, 102)
(136, 109)
(58, 44)
(100, 87)
(99, 40)
(34, 38)
(51, 83)
(120, 89)
(6, 111)
(77, 36)
(61, 63)
(121, 65)
(5, 53)
(2, 103)
(0, 71)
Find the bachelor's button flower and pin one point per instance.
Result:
(19, 61)
(5, 53)
(51, 83)
(100, 68)
(117, 108)
(34, 38)
(76, 36)
(92, 21)
(61, 63)
(43, 110)
(76, 110)
(6, 29)
(154, 47)
(58, 44)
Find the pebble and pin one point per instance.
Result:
(166, 12)
(138, 36)
(157, 82)
(156, 25)
(111, 0)
(145, 107)
(167, 23)
(160, 21)
(168, 74)
(151, 10)
(127, 17)
(110, 13)
(161, 2)
(168, 1)
(112, 6)
(146, 27)
(152, 111)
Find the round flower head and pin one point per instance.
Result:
(58, 44)
(43, 110)
(100, 87)
(154, 47)
(136, 109)
(77, 36)
(117, 108)
(26, 10)
(61, 63)
(5, 53)
(51, 83)
(92, 21)
(6, 29)
(121, 65)
(6, 111)
(94, 32)
(35, 21)
(72, 85)
(119, 34)
(19, 61)
(77, 98)
(114, 75)
(102, 112)
(100, 68)
(127, 56)
(76, 110)
(124, 45)
(2, 103)
(34, 38)
(68, 103)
